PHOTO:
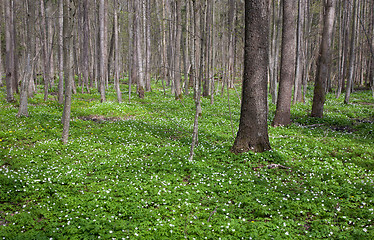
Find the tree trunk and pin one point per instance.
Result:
(300, 55)
(287, 71)
(9, 51)
(352, 53)
(275, 50)
(197, 87)
(177, 58)
(253, 132)
(68, 60)
(148, 46)
(116, 54)
(60, 95)
(103, 49)
(22, 110)
(324, 60)
(85, 47)
(44, 33)
(140, 72)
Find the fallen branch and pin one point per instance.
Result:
(215, 210)
(271, 166)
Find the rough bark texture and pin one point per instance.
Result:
(22, 110)
(324, 59)
(287, 71)
(253, 132)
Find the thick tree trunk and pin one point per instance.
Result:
(22, 110)
(324, 60)
(287, 71)
(253, 131)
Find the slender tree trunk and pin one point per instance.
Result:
(116, 54)
(140, 72)
(324, 60)
(103, 49)
(148, 46)
(352, 53)
(197, 87)
(85, 47)
(184, 46)
(68, 60)
(287, 71)
(276, 28)
(177, 58)
(9, 51)
(253, 131)
(300, 62)
(44, 36)
(61, 52)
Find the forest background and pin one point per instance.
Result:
(157, 52)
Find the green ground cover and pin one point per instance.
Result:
(125, 172)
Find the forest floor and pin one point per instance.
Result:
(125, 172)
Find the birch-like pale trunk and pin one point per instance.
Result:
(352, 53)
(116, 54)
(102, 55)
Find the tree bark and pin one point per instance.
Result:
(116, 54)
(22, 110)
(44, 33)
(177, 57)
(10, 73)
(300, 53)
(352, 53)
(102, 59)
(324, 60)
(68, 60)
(60, 95)
(287, 71)
(140, 72)
(253, 131)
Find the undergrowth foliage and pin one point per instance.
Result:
(125, 173)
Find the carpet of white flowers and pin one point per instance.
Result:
(125, 172)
